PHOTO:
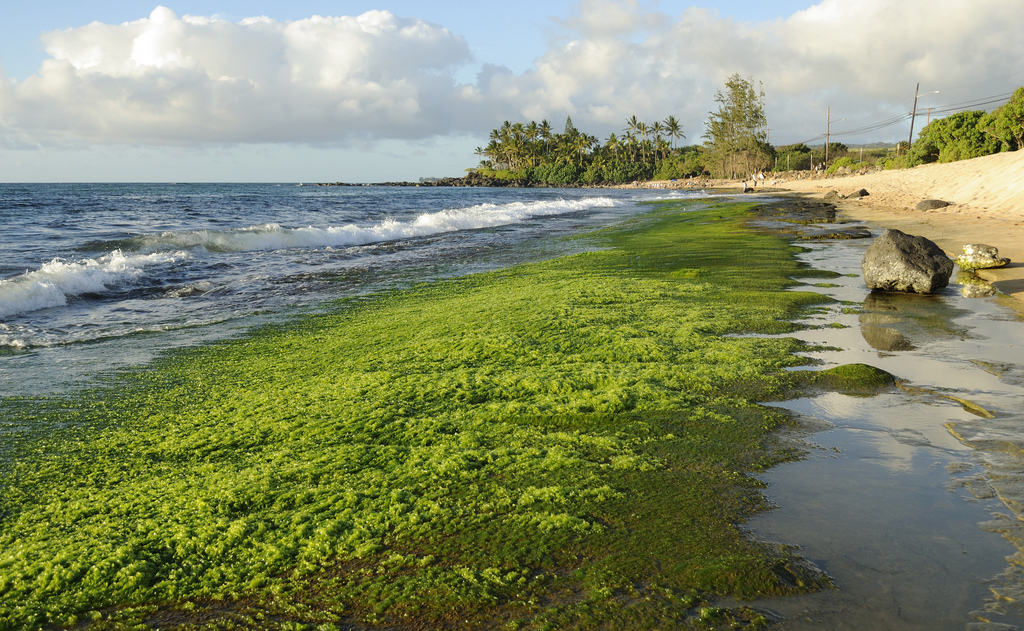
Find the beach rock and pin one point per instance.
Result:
(932, 204)
(897, 261)
(980, 256)
(858, 194)
(832, 196)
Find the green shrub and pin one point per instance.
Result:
(845, 161)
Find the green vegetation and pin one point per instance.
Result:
(735, 145)
(844, 162)
(555, 445)
(736, 138)
(798, 157)
(852, 379)
(969, 134)
(736, 142)
(532, 154)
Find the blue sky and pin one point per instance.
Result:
(133, 91)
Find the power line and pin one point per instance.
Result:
(983, 102)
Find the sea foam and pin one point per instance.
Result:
(54, 282)
(272, 236)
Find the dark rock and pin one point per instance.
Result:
(932, 204)
(896, 261)
(858, 194)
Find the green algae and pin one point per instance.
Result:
(556, 445)
(852, 379)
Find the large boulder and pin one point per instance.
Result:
(896, 261)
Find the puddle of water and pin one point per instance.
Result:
(909, 500)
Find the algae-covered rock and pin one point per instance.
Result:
(854, 379)
(980, 256)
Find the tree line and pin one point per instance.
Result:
(735, 144)
(533, 152)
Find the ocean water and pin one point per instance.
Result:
(95, 277)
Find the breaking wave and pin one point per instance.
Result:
(272, 236)
(57, 281)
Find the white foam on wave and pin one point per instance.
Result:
(193, 289)
(53, 283)
(272, 236)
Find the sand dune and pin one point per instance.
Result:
(992, 186)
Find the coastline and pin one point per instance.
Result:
(985, 196)
(588, 424)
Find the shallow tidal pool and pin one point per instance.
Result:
(911, 500)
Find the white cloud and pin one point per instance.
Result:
(166, 79)
(862, 58)
(189, 80)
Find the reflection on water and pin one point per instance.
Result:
(908, 499)
(891, 321)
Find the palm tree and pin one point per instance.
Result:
(632, 125)
(582, 143)
(663, 147)
(656, 130)
(613, 144)
(493, 151)
(544, 129)
(674, 129)
(629, 141)
(531, 134)
(642, 128)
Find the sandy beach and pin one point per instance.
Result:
(986, 197)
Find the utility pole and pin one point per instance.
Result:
(828, 123)
(913, 113)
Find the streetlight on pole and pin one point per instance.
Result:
(913, 114)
